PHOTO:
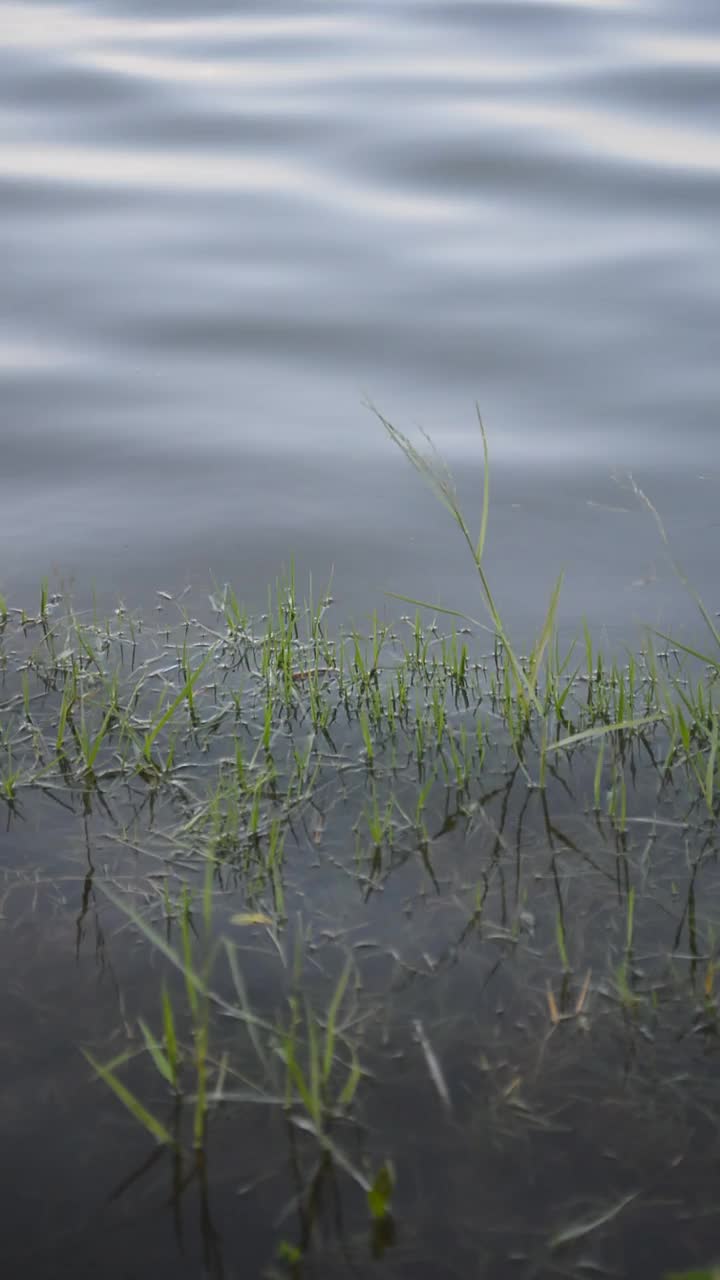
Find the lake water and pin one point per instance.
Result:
(224, 229)
(223, 232)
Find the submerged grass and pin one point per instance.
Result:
(219, 750)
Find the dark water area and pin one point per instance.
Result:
(529, 1013)
(602, 1128)
(223, 230)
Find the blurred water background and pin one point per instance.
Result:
(224, 229)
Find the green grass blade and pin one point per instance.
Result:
(186, 940)
(184, 694)
(437, 608)
(480, 545)
(600, 731)
(329, 1051)
(133, 1105)
(171, 1043)
(630, 923)
(546, 633)
(156, 939)
(95, 748)
(686, 648)
(239, 985)
(298, 1079)
(350, 1087)
(710, 771)
(161, 1062)
(200, 1111)
(314, 1061)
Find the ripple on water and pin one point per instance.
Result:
(251, 221)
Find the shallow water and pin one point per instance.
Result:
(531, 973)
(602, 1127)
(223, 230)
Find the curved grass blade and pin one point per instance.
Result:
(185, 693)
(154, 1048)
(133, 1105)
(581, 1229)
(602, 730)
(438, 608)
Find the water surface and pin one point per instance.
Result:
(224, 229)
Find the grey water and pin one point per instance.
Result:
(224, 229)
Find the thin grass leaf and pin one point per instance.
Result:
(92, 754)
(314, 1060)
(581, 1229)
(186, 941)
(433, 1065)
(440, 480)
(678, 569)
(155, 938)
(298, 1079)
(630, 923)
(561, 943)
(480, 545)
(218, 1093)
(153, 1047)
(580, 1002)
(207, 895)
(687, 648)
(552, 1006)
(349, 1089)
(184, 693)
(710, 771)
(597, 780)
(600, 731)
(333, 1009)
(338, 1155)
(251, 1022)
(546, 633)
(438, 608)
(133, 1105)
(171, 1043)
(200, 1110)
(252, 1096)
